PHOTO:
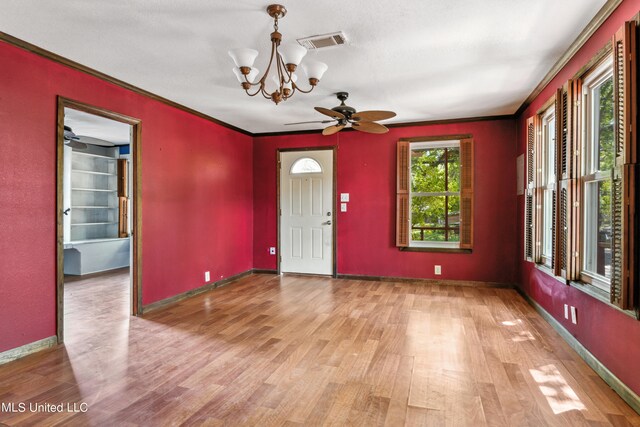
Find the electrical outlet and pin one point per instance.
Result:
(344, 197)
(272, 250)
(574, 315)
(343, 207)
(438, 270)
(566, 311)
(207, 276)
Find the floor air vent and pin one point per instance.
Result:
(324, 41)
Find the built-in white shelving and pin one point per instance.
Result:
(94, 199)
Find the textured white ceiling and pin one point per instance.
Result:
(85, 124)
(426, 60)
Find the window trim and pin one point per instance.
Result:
(466, 193)
(539, 186)
(593, 78)
(548, 183)
(450, 143)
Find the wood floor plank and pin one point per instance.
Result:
(302, 350)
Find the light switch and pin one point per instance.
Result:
(344, 197)
(574, 315)
(343, 207)
(566, 311)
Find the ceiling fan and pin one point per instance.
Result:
(73, 140)
(363, 121)
(79, 142)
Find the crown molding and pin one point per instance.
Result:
(582, 38)
(396, 125)
(14, 41)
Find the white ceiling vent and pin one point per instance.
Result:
(324, 41)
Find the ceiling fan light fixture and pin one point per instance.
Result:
(344, 115)
(284, 57)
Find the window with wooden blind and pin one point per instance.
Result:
(567, 165)
(624, 227)
(541, 199)
(609, 169)
(595, 176)
(529, 205)
(434, 194)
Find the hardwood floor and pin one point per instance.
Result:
(295, 350)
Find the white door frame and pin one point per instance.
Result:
(334, 219)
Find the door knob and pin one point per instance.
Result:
(326, 223)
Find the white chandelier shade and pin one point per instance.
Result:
(243, 57)
(314, 69)
(292, 53)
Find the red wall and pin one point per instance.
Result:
(611, 336)
(196, 192)
(366, 168)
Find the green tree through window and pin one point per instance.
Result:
(435, 194)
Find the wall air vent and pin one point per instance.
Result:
(324, 41)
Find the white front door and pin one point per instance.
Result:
(306, 218)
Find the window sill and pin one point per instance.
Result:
(602, 296)
(589, 289)
(548, 271)
(436, 249)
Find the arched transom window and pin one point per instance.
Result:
(305, 165)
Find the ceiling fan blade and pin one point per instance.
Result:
(330, 113)
(373, 115)
(95, 141)
(76, 144)
(314, 121)
(332, 129)
(369, 127)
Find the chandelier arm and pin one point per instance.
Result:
(252, 84)
(293, 90)
(254, 93)
(283, 67)
(295, 86)
(274, 49)
(264, 92)
(280, 78)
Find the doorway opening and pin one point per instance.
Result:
(306, 206)
(98, 211)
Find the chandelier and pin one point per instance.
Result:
(284, 57)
